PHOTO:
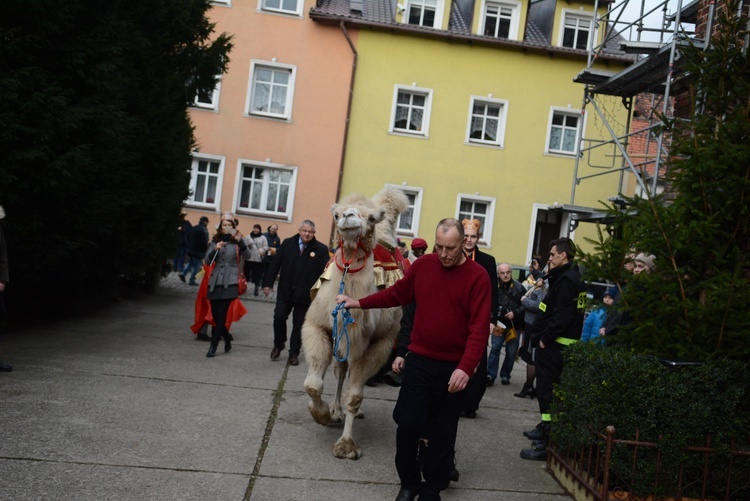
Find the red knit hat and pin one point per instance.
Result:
(419, 243)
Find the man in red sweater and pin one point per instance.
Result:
(447, 341)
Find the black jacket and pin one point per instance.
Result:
(489, 264)
(197, 241)
(298, 271)
(509, 299)
(563, 306)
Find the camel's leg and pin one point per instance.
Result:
(339, 371)
(359, 370)
(318, 352)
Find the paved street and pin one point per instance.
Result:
(124, 405)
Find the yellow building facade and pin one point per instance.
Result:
(480, 120)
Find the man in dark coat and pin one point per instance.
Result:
(197, 245)
(558, 326)
(301, 260)
(511, 314)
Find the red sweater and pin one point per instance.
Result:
(453, 305)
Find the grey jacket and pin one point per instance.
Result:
(258, 247)
(226, 273)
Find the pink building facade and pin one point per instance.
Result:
(270, 138)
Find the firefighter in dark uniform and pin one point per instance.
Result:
(559, 325)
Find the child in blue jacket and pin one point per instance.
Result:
(594, 320)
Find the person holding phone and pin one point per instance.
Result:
(227, 252)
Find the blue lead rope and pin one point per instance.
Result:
(346, 319)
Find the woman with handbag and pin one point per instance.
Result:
(226, 255)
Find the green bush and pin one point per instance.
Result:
(674, 407)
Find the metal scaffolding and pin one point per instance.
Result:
(655, 73)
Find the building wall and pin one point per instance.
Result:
(517, 176)
(312, 141)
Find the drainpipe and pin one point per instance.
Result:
(348, 115)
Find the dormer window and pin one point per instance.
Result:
(422, 13)
(576, 30)
(500, 19)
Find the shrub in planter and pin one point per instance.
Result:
(674, 407)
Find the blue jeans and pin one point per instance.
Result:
(511, 348)
(193, 265)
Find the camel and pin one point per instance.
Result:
(365, 232)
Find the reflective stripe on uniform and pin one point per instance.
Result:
(546, 418)
(542, 307)
(566, 341)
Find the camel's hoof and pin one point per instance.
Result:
(346, 449)
(320, 414)
(359, 415)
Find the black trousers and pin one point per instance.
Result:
(425, 409)
(253, 272)
(549, 368)
(476, 387)
(219, 308)
(280, 316)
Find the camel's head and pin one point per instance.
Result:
(356, 217)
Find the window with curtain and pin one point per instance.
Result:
(205, 182)
(272, 90)
(266, 190)
(563, 132)
(411, 111)
(486, 121)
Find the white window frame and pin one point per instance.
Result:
(197, 158)
(417, 209)
(502, 120)
(262, 7)
(439, 8)
(214, 104)
(227, 3)
(567, 112)
(425, 132)
(578, 16)
(274, 66)
(515, 20)
(486, 230)
(286, 215)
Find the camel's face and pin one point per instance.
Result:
(356, 223)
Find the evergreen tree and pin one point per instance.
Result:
(95, 138)
(696, 304)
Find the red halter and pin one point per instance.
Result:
(345, 264)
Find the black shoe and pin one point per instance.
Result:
(504, 381)
(534, 434)
(527, 391)
(182, 277)
(392, 379)
(540, 444)
(407, 494)
(293, 360)
(540, 434)
(203, 337)
(275, 354)
(211, 352)
(490, 381)
(230, 336)
(453, 474)
(256, 292)
(6, 368)
(535, 454)
(192, 283)
(469, 414)
(227, 345)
